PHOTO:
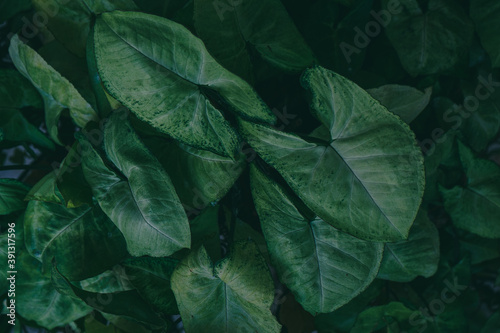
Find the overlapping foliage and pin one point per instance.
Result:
(254, 166)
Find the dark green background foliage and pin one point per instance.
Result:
(251, 165)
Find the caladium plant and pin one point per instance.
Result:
(170, 193)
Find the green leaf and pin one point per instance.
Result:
(151, 278)
(228, 31)
(57, 92)
(205, 231)
(325, 268)
(476, 206)
(9, 8)
(17, 92)
(69, 21)
(12, 193)
(142, 201)
(433, 41)
(172, 88)
(235, 295)
(46, 190)
(83, 240)
(200, 177)
(417, 256)
(404, 101)
(17, 129)
(486, 14)
(37, 300)
(395, 316)
(493, 324)
(126, 303)
(371, 159)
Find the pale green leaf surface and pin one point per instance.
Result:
(417, 256)
(163, 73)
(371, 160)
(324, 267)
(235, 295)
(144, 205)
(57, 92)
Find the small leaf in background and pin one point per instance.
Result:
(417, 256)
(57, 92)
(239, 290)
(485, 15)
(141, 201)
(12, 193)
(371, 159)
(325, 268)
(404, 101)
(476, 206)
(228, 32)
(172, 88)
(83, 240)
(393, 316)
(430, 41)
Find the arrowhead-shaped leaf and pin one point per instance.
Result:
(368, 179)
(164, 74)
(325, 268)
(142, 202)
(235, 295)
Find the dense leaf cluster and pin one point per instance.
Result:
(251, 165)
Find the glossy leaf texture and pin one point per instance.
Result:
(83, 240)
(404, 101)
(475, 206)
(140, 199)
(238, 290)
(485, 15)
(371, 159)
(229, 31)
(37, 299)
(431, 41)
(165, 75)
(325, 268)
(12, 193)
(57, 92)
(417, 256)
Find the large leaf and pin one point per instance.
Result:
(144, 205)
(12, 193)
(83, 240)
(57, 92)
(37, 300)
(164, 74)
(325, 268)
(486, 17)
(151, 277)
(393, 316)
(404, 101)
(17, 129)
(433, 41)
(476, 206)
(229, 30)
(235, 295)
(69, 21)
(418, 255)
(371, 160)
